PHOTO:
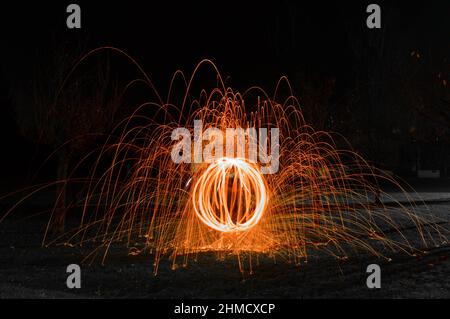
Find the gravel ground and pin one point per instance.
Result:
(29, 271)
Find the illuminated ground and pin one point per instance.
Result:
(30, 271)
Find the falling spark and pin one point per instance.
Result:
(322, 197)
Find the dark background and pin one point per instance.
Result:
(385, 90)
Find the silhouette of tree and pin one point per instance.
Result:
(62, 107)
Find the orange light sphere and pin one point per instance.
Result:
(231, 195)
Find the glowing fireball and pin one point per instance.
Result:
(230, 195)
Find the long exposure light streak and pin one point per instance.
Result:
(322, 197)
